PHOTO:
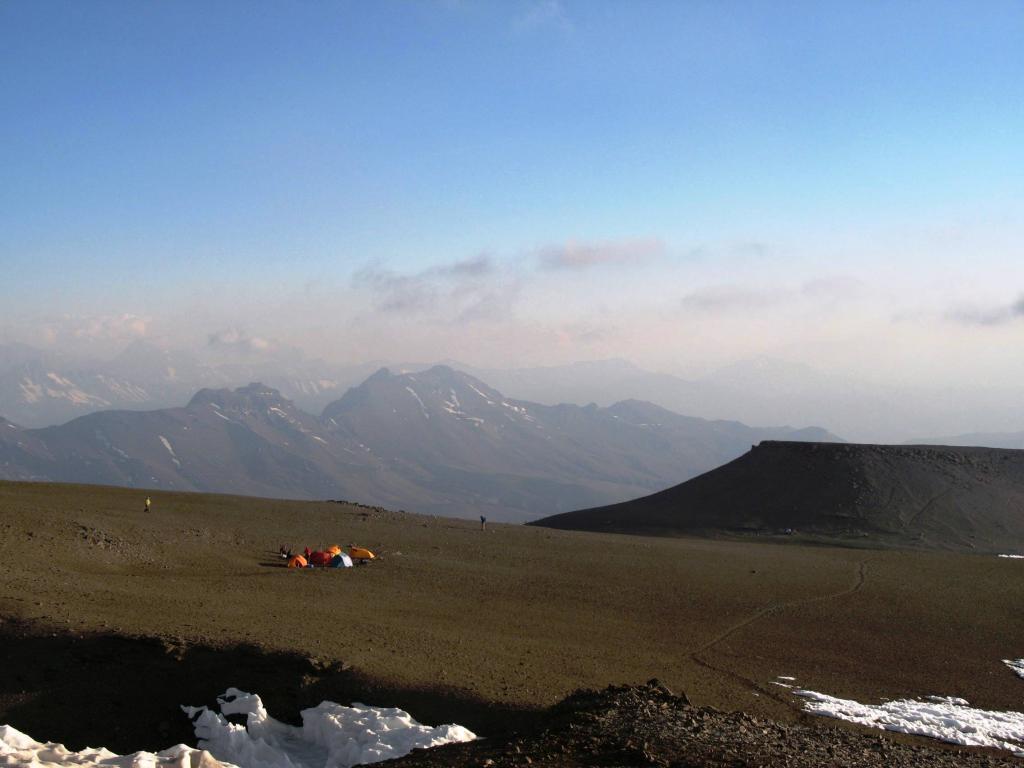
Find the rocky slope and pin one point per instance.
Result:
(650, 726)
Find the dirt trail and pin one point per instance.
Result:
(754, 685)
(776, 607)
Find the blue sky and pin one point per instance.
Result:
(254, 165)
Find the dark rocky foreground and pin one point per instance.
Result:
(650, 726)
(60, 687)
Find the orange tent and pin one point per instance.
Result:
(358, 553)
(296, 561)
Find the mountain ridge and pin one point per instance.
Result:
(46, 387)
(438, 441)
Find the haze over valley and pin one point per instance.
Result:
(506, 383)
(40, 388)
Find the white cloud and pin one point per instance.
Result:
(238, 341)
(574, 255)
(92, 329)
(465, 291)
(746, 298)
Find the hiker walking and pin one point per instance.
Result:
(148, 502)
(483, 523)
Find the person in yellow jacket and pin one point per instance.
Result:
(148, 502)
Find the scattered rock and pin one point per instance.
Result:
(650, 726)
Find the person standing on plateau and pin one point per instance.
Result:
(148, 502)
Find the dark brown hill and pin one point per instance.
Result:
(920, 496)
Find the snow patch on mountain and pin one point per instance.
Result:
(485, 397)
(170, 450)
(103, 440)
(30, 391)
(123, 389)
(419, 400)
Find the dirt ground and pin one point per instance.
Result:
(112, 617)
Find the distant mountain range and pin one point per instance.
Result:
(933, 497)
(437, 441)
(39, 388)
(764, 390)
(986, 439)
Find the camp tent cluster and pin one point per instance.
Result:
(332, 557)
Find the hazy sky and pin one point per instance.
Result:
(515, 183)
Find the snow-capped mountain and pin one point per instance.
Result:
(436, 441)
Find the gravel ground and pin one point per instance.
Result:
(485, 628)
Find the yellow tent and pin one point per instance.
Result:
(358, 553)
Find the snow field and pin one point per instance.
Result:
(18, 750)
(331, 736)
(945, 718)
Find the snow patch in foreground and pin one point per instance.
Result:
(331, 736)
(1013, 557)
(1017, 665)
(948, 719)
(18, 750)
